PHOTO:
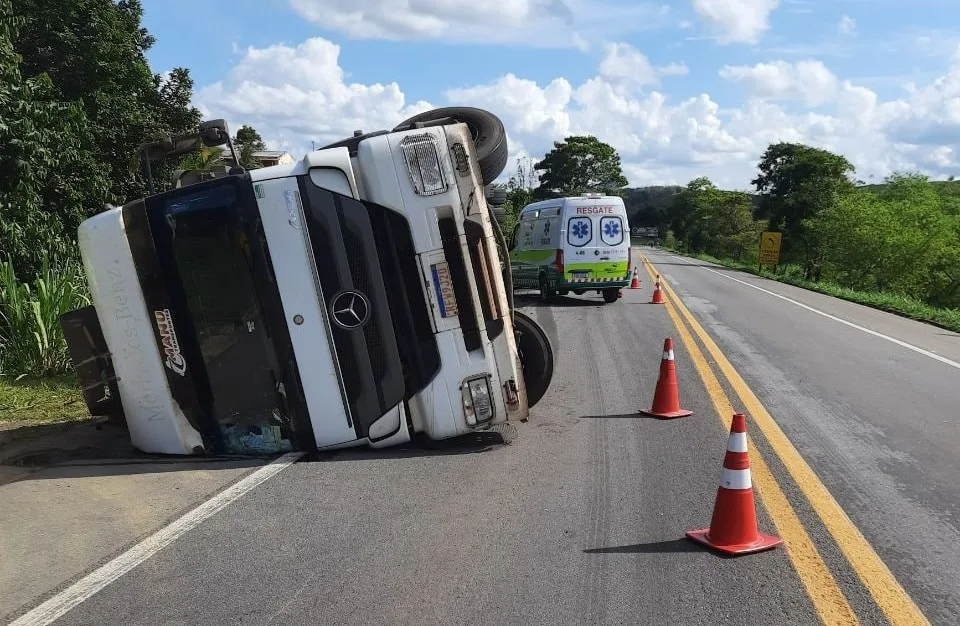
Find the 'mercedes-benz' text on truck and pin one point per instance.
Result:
(354, 297)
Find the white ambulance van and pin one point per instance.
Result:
(572, 244)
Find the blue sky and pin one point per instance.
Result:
(836, 74)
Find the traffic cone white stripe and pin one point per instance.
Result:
(737, 442)
(668, 355)
(736, 479)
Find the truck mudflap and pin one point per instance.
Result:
(92, 362)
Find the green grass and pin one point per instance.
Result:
(34, 401)
(892, 303)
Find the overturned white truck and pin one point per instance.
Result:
(355, 297)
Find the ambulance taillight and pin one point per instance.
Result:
(559, 262)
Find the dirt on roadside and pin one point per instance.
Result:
(26, 447)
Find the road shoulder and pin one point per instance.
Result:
(73, 500)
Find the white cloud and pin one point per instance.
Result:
(298, 94)
(809, 82)
(537, 23)
(847, 25)
(293, 95)
(625, 63)
(737, 21)
(674, 69)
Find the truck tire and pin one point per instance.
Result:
(497, 196)
(536, 356)
(489, 136)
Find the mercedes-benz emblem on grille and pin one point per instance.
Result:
(350, 309)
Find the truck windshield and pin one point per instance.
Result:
(203, 235)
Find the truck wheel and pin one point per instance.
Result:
(489, 137)
(611, 295)
(536, 356)
(547, 293)
(496, 196)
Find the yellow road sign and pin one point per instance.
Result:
(770, 248)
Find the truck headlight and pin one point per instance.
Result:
(422, 156)
(478, 403)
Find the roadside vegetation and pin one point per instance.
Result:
(77, 97)
(893, 246)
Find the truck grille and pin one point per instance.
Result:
(363, 247)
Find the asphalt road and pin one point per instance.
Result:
(879, 423)
(579, 517)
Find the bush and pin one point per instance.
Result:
(670, 240)
(31, 340)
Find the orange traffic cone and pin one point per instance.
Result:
(733, 528)
(635, 282)
(666, 397)
(657, 293)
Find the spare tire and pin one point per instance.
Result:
(496, 196)
(489, 136)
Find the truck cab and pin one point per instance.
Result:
(354, 297)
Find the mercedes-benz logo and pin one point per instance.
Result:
(350, 309)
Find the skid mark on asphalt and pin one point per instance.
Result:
(598, 485)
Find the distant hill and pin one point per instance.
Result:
(648, 206)
(940, 185)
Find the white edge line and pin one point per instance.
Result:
(902, 344)
(92, 583)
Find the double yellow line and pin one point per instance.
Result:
(820, 584)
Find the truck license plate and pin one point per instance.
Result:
(444, 289)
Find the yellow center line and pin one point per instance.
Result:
(828, 600)
(890, 596)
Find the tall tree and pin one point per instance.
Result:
(579, 164)
(683, 213)
(248, 141)
(798, 182)
(708, 219)
(519, 188)
(94, 52)
(48, 175)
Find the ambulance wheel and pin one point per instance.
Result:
(611, 295)
(578, 292)
(563, 292)
(536, 356)
(489, 136)
(547, 294)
